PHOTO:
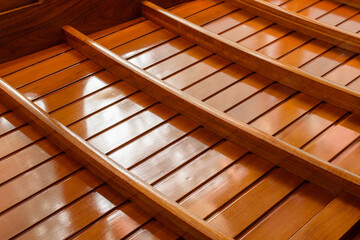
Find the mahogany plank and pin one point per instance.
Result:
(305, 53)
(348, 159)
(351, 24)
(59, 79)
(45, 203)
(338, 15)
(238, 92)
(169, 213)
(276, 151)
(284, 45)
(171, 158)
(77, 215)
(112, 115)
(89, 86)
(293, 77)
(27, 158)
(36, 180)
(254, 202)
(333, 221)
(294, 212)
(120, 222)
(214, 187)
(153, 231)
(292, 20)
(320, 8)
(260, 103)
(135, 126)
(9, 121)
(93, 103)
(153, 141)
(17, 139)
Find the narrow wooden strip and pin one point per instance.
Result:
(165, 210)
(288, 75)
(325, 32)
(293, 159)
(353, 3)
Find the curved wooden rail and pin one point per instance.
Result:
(278, 152)
(290, 76)
(162, 208)
(325, 32)
(353, 3)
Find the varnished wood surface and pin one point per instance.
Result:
(206, 177)
(42, 184)
(170, 213)
(333, 35)
(280, 154)
(283, 73)
(38, 26)
(12, 5)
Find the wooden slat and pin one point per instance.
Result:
(165, 210)
(288, 75)
(325, 32)
(293, 159)
(353, 3)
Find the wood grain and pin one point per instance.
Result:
(38, 26)
(292, 159)
(14, 4)
(325, 32)
(288, 75)
(167, 211)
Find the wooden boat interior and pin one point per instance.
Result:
(186, 119)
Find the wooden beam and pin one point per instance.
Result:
(353, 3)
(290, 76)
(276, 151)
(167, 211)
(316, 29)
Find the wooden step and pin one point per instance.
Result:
(320, 88)
(302, 164)
(316, 29)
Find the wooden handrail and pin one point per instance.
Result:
(353, 3)
(145, 196)
(276, 151)
(316, 29)
(290, 76)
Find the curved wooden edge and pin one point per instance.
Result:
(276, 151)
(167, 211)
(325, 32)
(353, 3)
(293, 77)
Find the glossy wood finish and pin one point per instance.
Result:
(307, 83)
(11, 5)
(333, 35)
(191, 165)
(276, 151)
(38, 26)
(144, 195)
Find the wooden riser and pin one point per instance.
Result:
(204, 173)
